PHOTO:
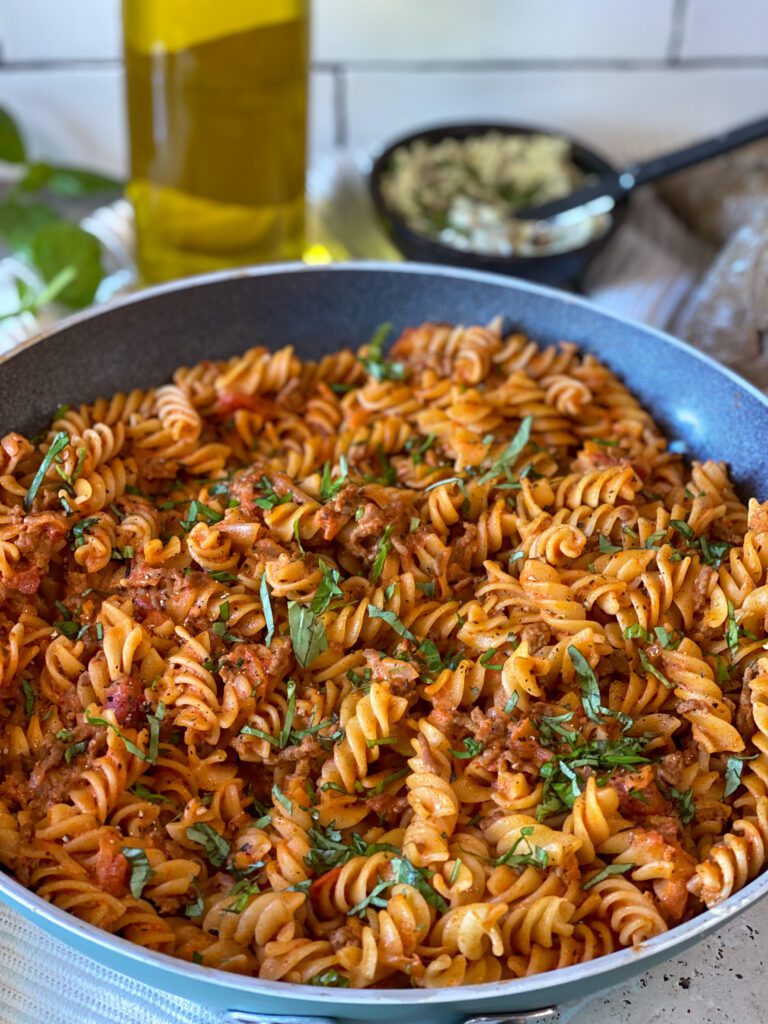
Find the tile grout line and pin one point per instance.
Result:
(546, 64)
(395, 65)
(677, 30)
(340, 107)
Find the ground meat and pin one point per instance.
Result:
(667, 825)
(508, 746)
(450, 723)
(126, 698)
(39, 538)
(262, 666)
(145, 602)
(401, 675)
(155, 467)
(51, 778)
(260, 778)
(337, 512)
(248, 487)
(369, 529)
(348, 934)
(389, 806)
(464, 548)
(670, 768)
(705, 580)
(640, 796)
(143, 575)
(536, 634)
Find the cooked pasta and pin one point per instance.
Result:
(433, 668)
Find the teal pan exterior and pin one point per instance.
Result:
(142, 340)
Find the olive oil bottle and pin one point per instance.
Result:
(217, 96)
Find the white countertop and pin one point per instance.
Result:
(719, 981)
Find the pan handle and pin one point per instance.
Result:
(548, 1016)
(248, 1017)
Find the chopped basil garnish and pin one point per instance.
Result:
(307, 633)
(59, 443)
(610, 869)
(215, 845)
(266, 607)
(141, 871)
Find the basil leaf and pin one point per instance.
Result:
(327, 589)
(59, 443)
(20, 222)
(129, 745)
(281, 798)
(732, 631)
(59, 245)
(686, 806)
(682, 528)
(391, 620)
(75, 750)
(143, 793)
(266, 607)
(198, 512)
(71, 182)
(382, 550)
(472, 748)
(648, 665)
(285, 732)
(407, 873)
(374, 364)
(11, 143)
(373, 899)
(734, 766)
(610, 869)
(30, 698)
(606, 548)
(215, 845)
(535, 856)
(307, 633)
(330, 978)
(329, 487)
(635, 632)
(195, 910)
(504, 462)
(653, 540)
(141, 871)
(590, 690)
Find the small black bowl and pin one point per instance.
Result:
(565, 269)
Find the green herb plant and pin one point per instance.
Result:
(66, 257)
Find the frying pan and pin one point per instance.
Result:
(141, 340)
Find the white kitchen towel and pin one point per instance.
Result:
(43, 981)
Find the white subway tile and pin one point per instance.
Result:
(77, 115)
(72, 115)
(322, 116)
(60, 30)
(738, 28)
(488, 29)
(627, 114)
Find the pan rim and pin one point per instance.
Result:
(37, 909)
